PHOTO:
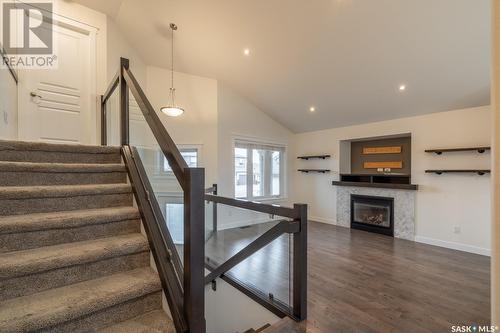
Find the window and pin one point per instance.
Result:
(258, 170)
(190, 155)
(175, 221)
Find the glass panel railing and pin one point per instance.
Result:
(210, 218)
(113, 119)
(166, 188)
(268, 271)
(236, 228)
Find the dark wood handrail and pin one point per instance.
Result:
(255, 206)
(167, 145)
(111, 88)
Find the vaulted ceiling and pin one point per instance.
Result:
(347, 58)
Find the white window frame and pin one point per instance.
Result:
(183, 147)
(283, 169)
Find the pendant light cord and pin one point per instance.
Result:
(172, 59)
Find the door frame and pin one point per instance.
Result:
(91, 118)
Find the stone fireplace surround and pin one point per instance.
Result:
(404, 208)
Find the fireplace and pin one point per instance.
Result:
(374, 214)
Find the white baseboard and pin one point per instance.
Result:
(322, 220)
(454, 246)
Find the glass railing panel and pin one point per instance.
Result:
(166, 187)
(210, 218)
(113, 119)
(268, 271)
(235, 229)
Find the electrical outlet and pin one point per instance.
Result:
(457, 230)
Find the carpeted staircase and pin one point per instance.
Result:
(72, 256)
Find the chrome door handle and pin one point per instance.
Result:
(34, 94)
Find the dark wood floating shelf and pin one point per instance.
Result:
(393, 181)
(314, 170)
(377, 185)
(450, 150)
(439, 172)
(313, 157)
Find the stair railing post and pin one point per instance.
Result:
(124, 104)
(194, 249)
(214, 211)
(300, 265)
(103, 123)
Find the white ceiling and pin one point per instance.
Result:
(345, 57)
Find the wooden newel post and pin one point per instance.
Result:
(124, 104)
(300, 265)
(194, 249)
(104, 140)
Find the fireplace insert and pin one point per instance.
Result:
(374, 214)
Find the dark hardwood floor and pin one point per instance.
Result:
(363, 282)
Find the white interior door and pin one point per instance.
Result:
(56, 105)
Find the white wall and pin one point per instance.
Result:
(118, 46)
(495, 230)
(225, 306)
(442, 202)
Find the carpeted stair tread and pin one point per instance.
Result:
(57, 147)
(66, 219)
(20, 263)
(62, 191)
(151, 322)
(56, 306)
(7, 166)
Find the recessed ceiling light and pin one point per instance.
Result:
(402, 87)
(312, 109)
(246, 52)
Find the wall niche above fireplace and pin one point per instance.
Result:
(390, 153)
(383, 162)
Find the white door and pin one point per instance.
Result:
(58, 105)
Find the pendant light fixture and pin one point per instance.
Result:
(172, 109)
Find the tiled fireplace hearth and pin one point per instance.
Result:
(375, 215)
